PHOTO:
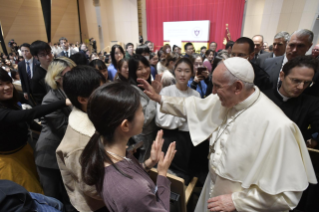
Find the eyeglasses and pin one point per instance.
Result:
(298, 82)
(45, 54)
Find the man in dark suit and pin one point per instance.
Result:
(279, 47)
(26, 71)
(299, 43)
(189, 51)
(66, 50)
(213, 47)
(258, 47)
(41, 51)
(244, 48)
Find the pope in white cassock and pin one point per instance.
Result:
(258, 160)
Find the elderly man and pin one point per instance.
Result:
(258, 48)
(258, 160)
(279, 47)
(315, 52)
(299, 43)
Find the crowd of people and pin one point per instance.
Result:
(105, 120)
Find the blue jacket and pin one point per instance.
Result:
(201, 87)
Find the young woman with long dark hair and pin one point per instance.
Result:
(101, 67)
(122, 71)
(176, 128)
(117, 54)
(139, 67)
(123, 182)
(209, 59)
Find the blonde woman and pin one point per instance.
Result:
(53, 129)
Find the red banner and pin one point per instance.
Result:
(218, 12)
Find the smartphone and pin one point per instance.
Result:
(200, 70)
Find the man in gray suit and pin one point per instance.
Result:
(299, 43)
(279, 47)
(66, 50)
(258, 47)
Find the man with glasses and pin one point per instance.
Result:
(279, 47)
(42, 52)
(296, 75)
(299, 43)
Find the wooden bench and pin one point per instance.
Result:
(178, 186)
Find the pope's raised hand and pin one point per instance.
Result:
(149, 90)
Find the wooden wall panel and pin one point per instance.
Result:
(22, 20)
(65, 20)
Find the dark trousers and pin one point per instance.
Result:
(53, 186)
(189, 161)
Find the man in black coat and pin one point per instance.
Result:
(26, 69)
(299, 43)
(296, 75)
(42, 52)
(258, 47)
(244, 47)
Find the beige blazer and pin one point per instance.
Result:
(79, 131)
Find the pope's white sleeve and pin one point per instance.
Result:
(254, 199)
(173, 105)
(167, 121)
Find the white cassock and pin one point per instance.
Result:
(258, 154)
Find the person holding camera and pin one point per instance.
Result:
(200, 80)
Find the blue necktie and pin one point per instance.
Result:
(28, 70)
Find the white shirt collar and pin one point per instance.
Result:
(30, 60)
(284, 98)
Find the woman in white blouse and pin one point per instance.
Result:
(176, 128)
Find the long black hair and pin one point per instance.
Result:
(108, 106)
(114, 47)
(133, 66)
(10, 103)
(119, 66)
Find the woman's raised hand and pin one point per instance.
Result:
(156, 150)
(165, 162)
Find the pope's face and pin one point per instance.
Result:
(223, 88)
